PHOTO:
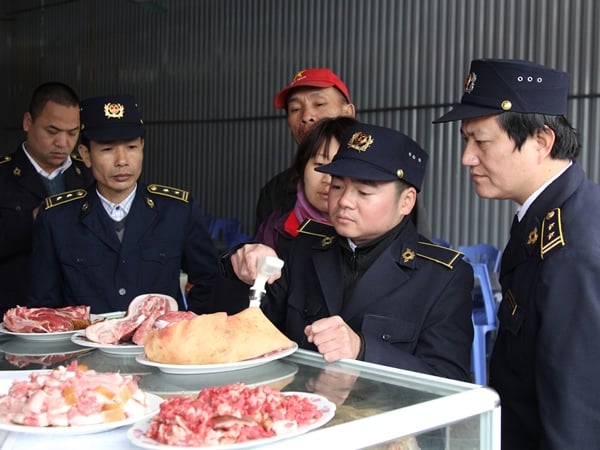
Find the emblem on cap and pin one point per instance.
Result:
(297, 77)
(114, 110)
(360, 141)
(506, 105)
(470, 82)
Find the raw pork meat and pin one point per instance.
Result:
(46, 320)
(142, 309)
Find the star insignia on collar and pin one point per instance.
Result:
(533, 237)
(408, 255)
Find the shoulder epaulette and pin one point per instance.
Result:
(319, 229)
(552, 233)
(171, 192)
(64, 197)
(437, 253)
(5, 159)
(76, 157)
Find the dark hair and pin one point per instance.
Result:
(53, 91)
(320, 135)
(84, 141)
(520, 126)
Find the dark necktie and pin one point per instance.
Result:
(120, 228)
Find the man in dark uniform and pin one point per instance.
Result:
(42, 165)
(372, 288)
(520, 146)
(120, 238)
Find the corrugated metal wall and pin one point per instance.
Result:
(205, 73)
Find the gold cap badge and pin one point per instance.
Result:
(506, 105)
(360, 141)
(114, 110)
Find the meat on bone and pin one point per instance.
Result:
(143, 308)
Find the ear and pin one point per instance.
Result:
(349, 110)
(84, 152)
(544, 139)
(27, 121)
(408, 199)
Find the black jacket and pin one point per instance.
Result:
(22, 190)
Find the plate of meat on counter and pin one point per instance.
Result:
(122, 333)
(73, 400)
(216, 342)
(254, 416)
(45, 324)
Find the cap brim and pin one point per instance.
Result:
(280, 100)
(466, 111)
(361, 170)
(114, 134)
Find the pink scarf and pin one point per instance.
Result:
(303, 209)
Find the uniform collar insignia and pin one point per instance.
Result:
(17, 172)
(327, 241)
(533, 237)
(408, 255)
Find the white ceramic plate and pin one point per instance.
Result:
(56, 336)
(184, 369)
(126, 348)
(136, 434)
(153, 406)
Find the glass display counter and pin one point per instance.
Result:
(377, 407)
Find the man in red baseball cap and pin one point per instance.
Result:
(311, 95)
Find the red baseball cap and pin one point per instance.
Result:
(316, 77)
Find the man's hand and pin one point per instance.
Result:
(245, 260)
(334, 338)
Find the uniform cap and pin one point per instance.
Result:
(321, 77)
(494, 86)
(111, 118)
(373, 153)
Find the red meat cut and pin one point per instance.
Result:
(22, 319)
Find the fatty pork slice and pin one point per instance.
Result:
(141, 308)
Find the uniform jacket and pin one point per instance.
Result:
(412, 306)
(78, 259)
(22, 190)
(545, 360)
